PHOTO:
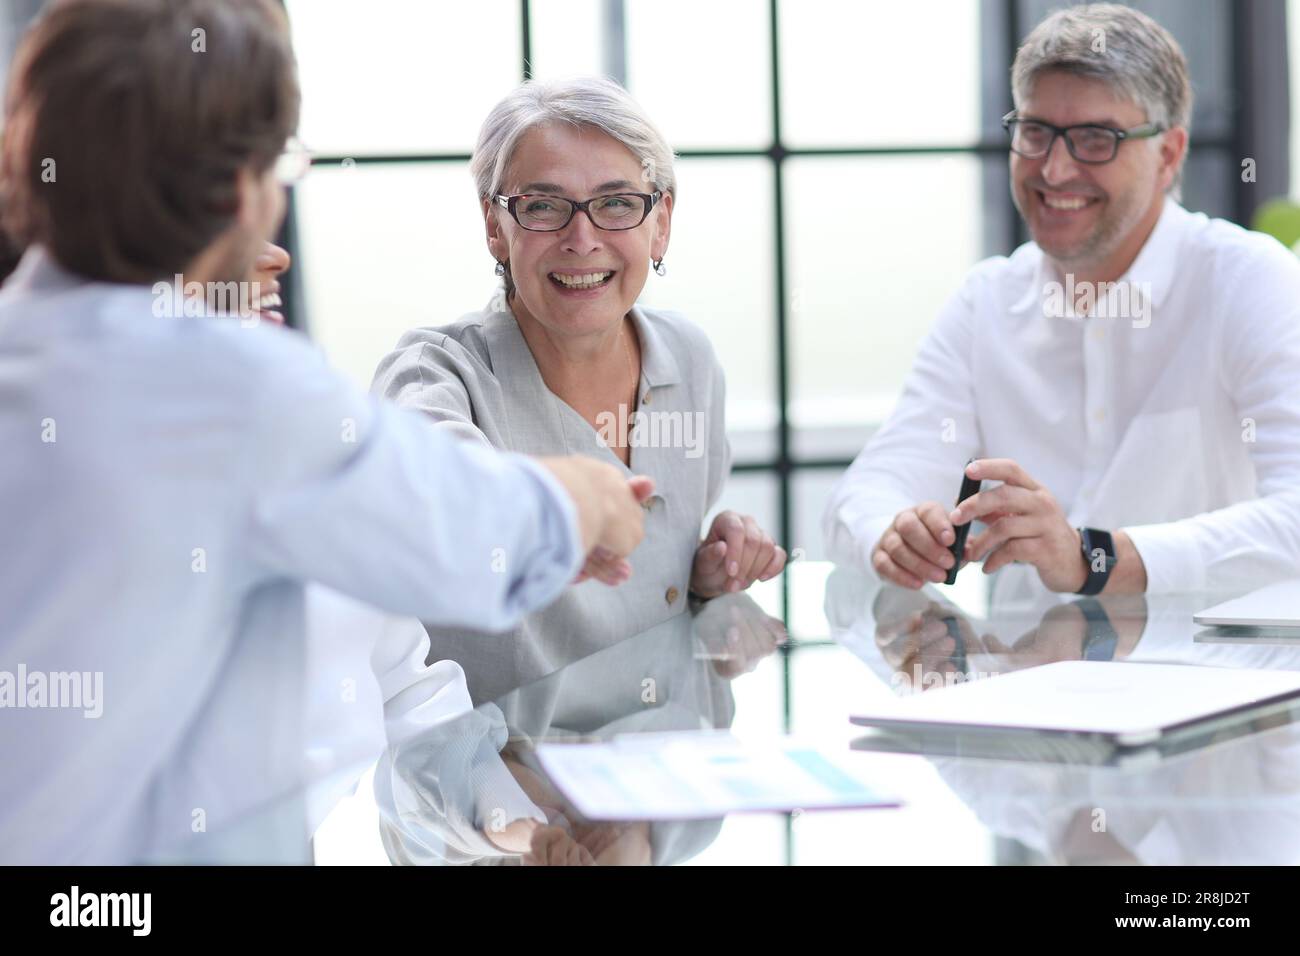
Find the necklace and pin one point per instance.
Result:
(636, 387)
(631, 365)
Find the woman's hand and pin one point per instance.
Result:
(736, 634)
(552, 846)
(735, 553)
(616, 844)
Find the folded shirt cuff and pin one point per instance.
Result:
(1171, 557)
(865, 538)
(561, 542)
(498, 798)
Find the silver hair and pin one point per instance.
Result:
(590, 101)
(1118, 45)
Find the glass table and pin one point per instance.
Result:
(461, 793)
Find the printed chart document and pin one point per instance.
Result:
(707, 774)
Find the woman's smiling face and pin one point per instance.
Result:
(578, 279)
(270, 263)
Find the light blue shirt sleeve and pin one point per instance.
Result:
(377, 503)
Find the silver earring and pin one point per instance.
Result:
(660, 268)
(501, 268)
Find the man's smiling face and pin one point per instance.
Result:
(1080, 214)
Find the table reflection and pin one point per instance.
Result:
(471, 790)
(1230, 796)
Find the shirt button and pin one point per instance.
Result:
(1099, 415)
(645, 399)
(671, 595)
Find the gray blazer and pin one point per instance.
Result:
(477, 377)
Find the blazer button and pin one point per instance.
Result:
(671, 595)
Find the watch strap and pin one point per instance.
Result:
(1099, 558)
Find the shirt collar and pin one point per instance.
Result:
(536, 415)
(38, 271)
(658, 363)
(511, 356)
(1155, 266)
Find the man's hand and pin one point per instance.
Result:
(611, 521)
(1025, 524)
(929, 647)
(735, 553)
(914, 548)
(515, 837)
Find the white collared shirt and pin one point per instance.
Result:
(1179, 423)
(167, 486)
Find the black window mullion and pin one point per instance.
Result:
(1014, 36)
(784, 476)
(526, 39)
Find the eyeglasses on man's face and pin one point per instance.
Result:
(616, 212)
(1087, 142)
(293, 163)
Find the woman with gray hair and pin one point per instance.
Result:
(577, 190)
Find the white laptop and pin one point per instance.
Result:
(1277, 605)
(1110, 706)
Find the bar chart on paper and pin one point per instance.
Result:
(697, 775)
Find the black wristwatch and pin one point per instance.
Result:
(1098, 557)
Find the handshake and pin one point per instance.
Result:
(611, 519)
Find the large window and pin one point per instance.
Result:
(865, 131)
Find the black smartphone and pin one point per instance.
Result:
(969, 486)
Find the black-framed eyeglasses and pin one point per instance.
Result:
(538, 212)
(1087, 142)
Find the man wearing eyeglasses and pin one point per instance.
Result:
(171, 484)
(1127, 384)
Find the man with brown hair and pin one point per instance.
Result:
(170, 484)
